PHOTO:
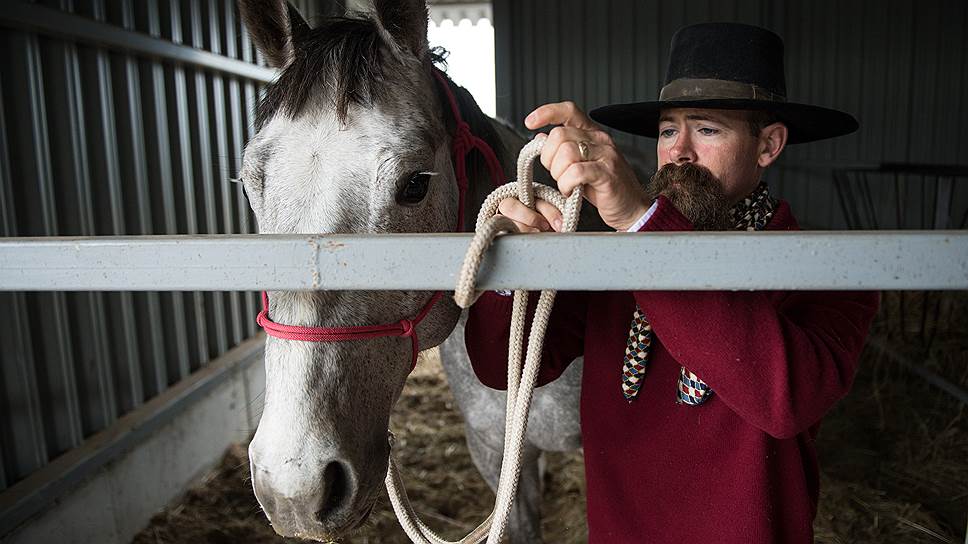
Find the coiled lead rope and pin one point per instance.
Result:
(520, 381)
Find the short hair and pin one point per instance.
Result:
(760, 119)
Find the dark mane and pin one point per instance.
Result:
(345, 56)
(342, 55)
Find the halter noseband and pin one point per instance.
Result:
(464, 141)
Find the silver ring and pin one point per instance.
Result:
(583, 150)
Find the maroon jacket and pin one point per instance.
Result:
(740, 468)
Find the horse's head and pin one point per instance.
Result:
(352, 138)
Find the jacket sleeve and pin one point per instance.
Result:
(488, 332)
(779, 360)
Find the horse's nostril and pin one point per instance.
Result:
(336, 490)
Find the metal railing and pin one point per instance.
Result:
(906, 196)
(896, 260)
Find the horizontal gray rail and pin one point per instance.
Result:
(936, 260)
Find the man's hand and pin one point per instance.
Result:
(608, 180)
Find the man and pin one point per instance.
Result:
(699, 409)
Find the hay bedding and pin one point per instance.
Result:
(894, 455)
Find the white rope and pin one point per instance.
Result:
(520, 382)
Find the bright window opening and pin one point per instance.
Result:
(471, 60)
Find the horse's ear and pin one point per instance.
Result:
(273, 25)
(405, 21)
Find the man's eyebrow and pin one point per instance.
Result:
(702, 117)
(691, 117)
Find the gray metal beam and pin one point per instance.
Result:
(936, 260)
(25, 16)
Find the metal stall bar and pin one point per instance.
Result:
(76, 217)
(161, 176)
(936, 260)
(239, 137)
(122, 317)
(55, 378)
(50, 21)
(26, 448)
(217, 337)
(187, 173)
(127, 77)
(222, 164)
(250, 104)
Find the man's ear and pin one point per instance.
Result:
(773, 139)
(274, 26)
(404, 22)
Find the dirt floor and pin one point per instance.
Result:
(894, 456)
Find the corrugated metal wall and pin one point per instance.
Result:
(103, 133)
(898, 65)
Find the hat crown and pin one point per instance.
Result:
(729, 52)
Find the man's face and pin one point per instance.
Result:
(719, 140)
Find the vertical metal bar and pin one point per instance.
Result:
(869, 202)
(237, 142)
(148, 305)
(217, 343)
(187, 173)
(72, 177)
(840, 181)
(23, 442)
(122, 315)
(62, 417)
(850, 202)
(162, 178)
(898, 216)
(249, 106)
(922, 205)
(224, 162)
(944, 191)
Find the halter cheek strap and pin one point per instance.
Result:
(464, 141)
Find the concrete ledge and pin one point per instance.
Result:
(107, 490)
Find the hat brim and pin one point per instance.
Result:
(804, 122)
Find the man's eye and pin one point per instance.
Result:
(668, 133)
(708, 131)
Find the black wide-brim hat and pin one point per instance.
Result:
(728, 66)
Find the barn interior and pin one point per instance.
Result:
(124, 416)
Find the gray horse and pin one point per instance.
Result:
(355, 137)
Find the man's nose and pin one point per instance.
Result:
(682, 151)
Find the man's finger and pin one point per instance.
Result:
(579, 173)
(514, 210)
(559, 113)
(550, 213)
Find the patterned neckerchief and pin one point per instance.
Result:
(752, 213)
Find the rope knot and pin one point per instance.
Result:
(463, 139)
(408, 328)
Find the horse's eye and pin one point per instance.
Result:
(414, 191)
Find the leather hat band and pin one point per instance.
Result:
(715, 89)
